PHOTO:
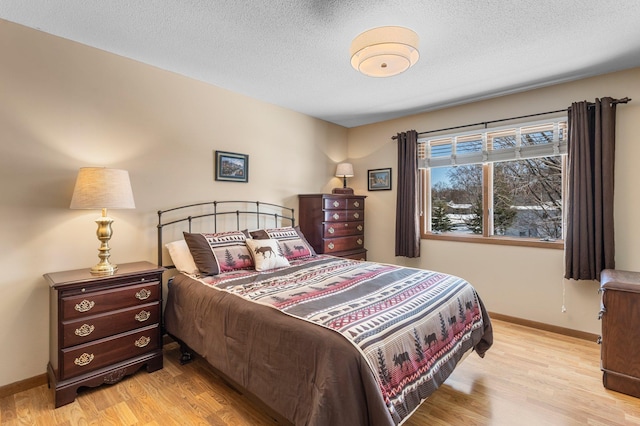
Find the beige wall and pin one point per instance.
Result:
(64, 106)
(516, 281)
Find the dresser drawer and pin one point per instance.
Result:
(343, 215)
(343, 204)
(332, 245)
(341, 229)
(93, 303)
(86, 358)
(98, 326)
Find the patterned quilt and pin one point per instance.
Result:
(412, 326)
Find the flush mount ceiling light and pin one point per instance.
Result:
(384, 51)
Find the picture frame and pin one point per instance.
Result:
(379, 179)
(231, 166)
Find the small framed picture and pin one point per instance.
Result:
(379, 179)
(232, 167)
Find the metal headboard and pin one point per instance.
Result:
(265, 215)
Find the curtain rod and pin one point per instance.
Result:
(615, 101)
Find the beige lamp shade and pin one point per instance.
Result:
(344, 170)
(384, 51)
(102, 188)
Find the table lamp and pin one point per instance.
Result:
(103, 188)
(344, 170)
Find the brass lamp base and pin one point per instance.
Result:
(104, 267)
(345, 191)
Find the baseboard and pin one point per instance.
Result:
(23, 385)
(546, 327)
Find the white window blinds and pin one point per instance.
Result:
(531, 140)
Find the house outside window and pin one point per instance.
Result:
(501, 185)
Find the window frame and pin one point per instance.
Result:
(425, 200)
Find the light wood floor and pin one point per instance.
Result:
(529, 377)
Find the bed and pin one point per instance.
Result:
(318, 339)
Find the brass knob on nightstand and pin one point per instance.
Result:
(84, 330)
(84, 306)
(142, 341)
(142, 316)
(143, 294)
(83, 359)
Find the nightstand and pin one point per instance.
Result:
(103, 328)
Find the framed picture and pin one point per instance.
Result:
(232, 167)
(379, 179)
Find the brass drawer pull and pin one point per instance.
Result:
(84, 330)
(85, 305)
(83, 359)
(356, 204)
(142, 341)
(331, 246)
(336, 216)
(143, 294)
(356, 215)
(360, 227)
(359, 241)
(336, 204)
(142, 316)
(331, 230)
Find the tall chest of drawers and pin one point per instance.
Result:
(334, 224)
(103, 328)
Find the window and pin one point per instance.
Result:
(502, 183)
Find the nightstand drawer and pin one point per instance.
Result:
(86, 358)
(343, 215)
(332, 245)
(98, 326)
(92, 303)
(341, 229)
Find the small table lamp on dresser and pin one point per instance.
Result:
(344, 170)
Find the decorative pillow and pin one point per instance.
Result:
(292, 242)
(221, 252)
(181, 257)
(266, 254)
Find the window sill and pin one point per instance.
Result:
(499, 240)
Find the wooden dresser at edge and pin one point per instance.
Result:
(620, 314)
(334, 224)
(103, 328)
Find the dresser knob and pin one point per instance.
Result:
(331, 246)
(360, 227)
(143, 294)
(359, 241)
(142, 316)
(336, 204)
(336, 216)
(142, 341)
(84, 330)
(85, 305)
(356, 204)
(331, 230)
(356, 215)
(83, 359)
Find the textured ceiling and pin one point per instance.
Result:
(295, 53)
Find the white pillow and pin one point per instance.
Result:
(181, 257)
(266, 254)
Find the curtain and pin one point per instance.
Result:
(407, 221)
(589, 242)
